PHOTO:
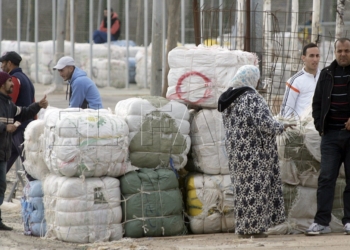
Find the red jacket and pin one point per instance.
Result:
(114, 22)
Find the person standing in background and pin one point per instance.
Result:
(9, 112)
(300, 87)
(23, 95)
(331, 113)
(100, 36)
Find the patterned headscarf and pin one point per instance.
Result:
(247, 75)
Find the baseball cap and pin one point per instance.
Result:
(11, 56)
(63, 62)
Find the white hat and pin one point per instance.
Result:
(63, 62)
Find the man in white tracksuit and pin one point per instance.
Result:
(300, 87)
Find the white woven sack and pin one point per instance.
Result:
(215, 193)
(208, 142)
(198, 76)
(83, 210)
(34, 163)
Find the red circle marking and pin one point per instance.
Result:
(207, 84)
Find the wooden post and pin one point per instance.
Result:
(315, 20)
(247, 28)
(173, 34)
(294, 30)
(196, 23)
(240, 25)
(339, 28)
(61, 34)
(157, 45)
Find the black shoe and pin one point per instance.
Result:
(3, 227)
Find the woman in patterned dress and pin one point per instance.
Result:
(253, 159)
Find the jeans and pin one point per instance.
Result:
(101, 37)
(335, 149)
(2, 181)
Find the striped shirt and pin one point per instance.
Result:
(339, 111)
(300, 89)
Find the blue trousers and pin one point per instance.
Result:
(101, 37)
(335, 150)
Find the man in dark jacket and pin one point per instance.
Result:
(9, 112)
(23, 95)
(331, 113)
(100, 36)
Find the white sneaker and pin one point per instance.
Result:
(347, 228)
(317, 229)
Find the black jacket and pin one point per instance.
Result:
(8, 111)
(322, 98)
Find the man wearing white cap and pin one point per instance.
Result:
(83, 92)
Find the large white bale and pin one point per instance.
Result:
(301, 208)
(140, 68)
(210, 203)
(83, 210)
(208, 142)
(34, 162)
(198, 76)
(86, 142)
(100, 72)
(159, 131)
(133, 109)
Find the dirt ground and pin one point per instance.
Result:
(17, 240)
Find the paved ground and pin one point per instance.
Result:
(110, 95)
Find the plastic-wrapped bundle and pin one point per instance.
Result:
(34, 162)
(208, 142)
(301, 205)
(140, 75)
(299, 153)
(198, 76)
(152, 204)
(86, 142)
(159, 131)
(27, 50)
(33, 215)
(100, 72)
(210, 203)
(83, 210)
(82, 53)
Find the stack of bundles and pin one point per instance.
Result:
(86, 142)
(208, 194)
(132, 50)
(83, 210)
(82, 53)
(99, 72)
(208, 143)
(152, 204)
(210, 203)
(33, 209)
(27, 50)
(159, 131)
(198, 76)
(34, 162)
(299, 157)
(140, 76)
(46, 62)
